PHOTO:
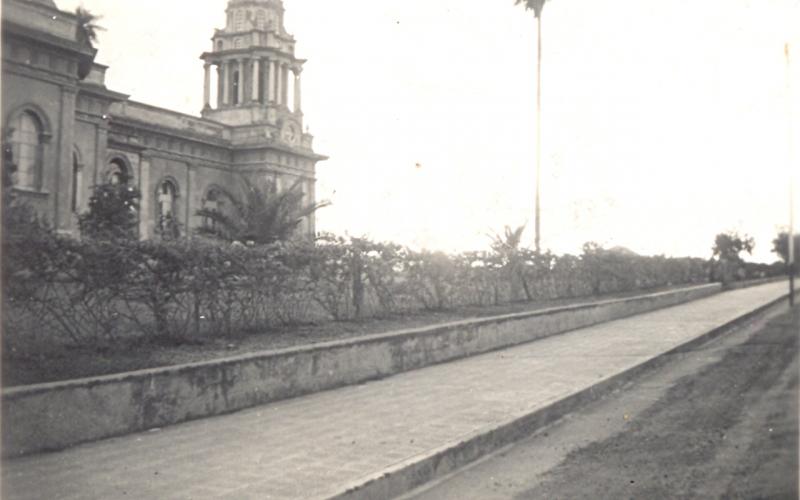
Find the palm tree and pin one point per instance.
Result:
(509, 248)
(261, 216)
(508, 243)
(87, 25)
(537, 6)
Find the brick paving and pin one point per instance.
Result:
(313, 446)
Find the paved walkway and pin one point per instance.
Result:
(314, 446)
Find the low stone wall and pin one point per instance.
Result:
(53, 416)
(736, 285)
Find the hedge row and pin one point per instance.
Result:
(93, 291)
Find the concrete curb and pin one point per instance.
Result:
(410, 474)
(48, 417)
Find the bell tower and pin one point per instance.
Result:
(257, 76)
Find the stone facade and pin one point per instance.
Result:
(70, 132)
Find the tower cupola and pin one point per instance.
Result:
(257, 73)
(246, 15)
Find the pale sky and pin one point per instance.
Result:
(664, 123)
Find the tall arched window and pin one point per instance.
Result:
(166, 207)
(238, 24)
(261, 21)
(26, 142)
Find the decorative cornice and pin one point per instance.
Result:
(54, 42)
(100, 91)
(207, 140)
(37, 73)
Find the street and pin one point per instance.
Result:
(720, 421)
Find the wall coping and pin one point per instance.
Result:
(88, 382)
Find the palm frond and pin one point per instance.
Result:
(221, 227)
(535, 5)
(510, 241)
(87, 24)
(260, 214)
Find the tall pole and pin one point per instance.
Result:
(538, 128)
(791, 175)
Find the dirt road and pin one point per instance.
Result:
(720, 421)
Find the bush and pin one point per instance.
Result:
(112, 212)
(98, 290)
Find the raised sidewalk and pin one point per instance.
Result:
(382, 438)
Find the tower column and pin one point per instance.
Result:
(278, 83)
(255, 79)
(240, 90)
(220, 86)
(263, 83)
(246, 81)
(297, 93)
(207, 86)
(285, 85)
(271, 82)
(226, 94)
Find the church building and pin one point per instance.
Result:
(69, 132)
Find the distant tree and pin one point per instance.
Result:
(261, 216)
(729, 246)
(726, 254)
(780, 246)
(87, 26)
(113, 212)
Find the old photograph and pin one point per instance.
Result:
(418, 249)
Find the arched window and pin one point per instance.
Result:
(238, 24)
(118, 172)
(220, 45)
(166, 208)
(26, 143)
(211, 200)
(237, 44)
(261, 21)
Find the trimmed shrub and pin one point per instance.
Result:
(96, 291)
